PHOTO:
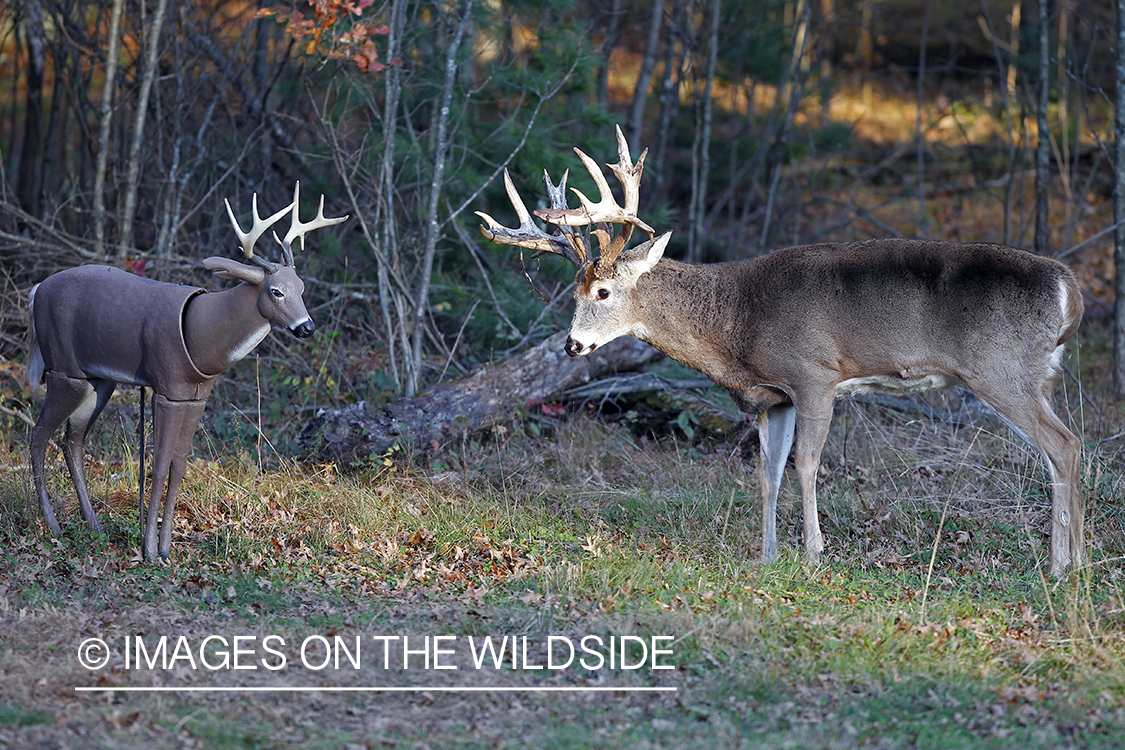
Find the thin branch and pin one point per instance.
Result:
(437, 182)
(17, 414)
(1089, 240)
(519, 146)
(107, 119)
(471, 246)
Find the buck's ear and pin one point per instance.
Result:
(225, 268)
(643, 257)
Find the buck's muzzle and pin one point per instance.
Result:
(573, 348)
(304, 330)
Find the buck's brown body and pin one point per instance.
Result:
(790, 331)
(907, 309)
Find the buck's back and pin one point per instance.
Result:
(910, 288)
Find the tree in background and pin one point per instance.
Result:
(121, 131)
(1119, 208)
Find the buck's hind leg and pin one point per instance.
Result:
(1068, 537)
(1032, 417)
(775, 438)
(77, 428)
(64, 396)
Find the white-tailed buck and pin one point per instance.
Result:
(789, 332)
(96, 326)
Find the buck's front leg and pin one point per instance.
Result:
(192, 412)
(174, 423)
(775, 438)
(815, 418)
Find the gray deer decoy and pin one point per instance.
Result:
(789, 332)
(93, 327)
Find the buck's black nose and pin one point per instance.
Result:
(572, 347)
(304, 330)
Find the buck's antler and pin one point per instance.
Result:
(528, 234)
(570, 244)
(299, 229)
(260, 226)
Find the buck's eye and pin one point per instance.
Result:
(603, 294)
(277, 293)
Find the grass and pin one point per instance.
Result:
(929, 623)
(590, 531)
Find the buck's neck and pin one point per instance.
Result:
(221, 328)
(680, 312)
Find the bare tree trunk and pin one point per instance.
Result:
(106, 127)
(1009, 104)
(13, 95)
(180, 173)
(57, 126)
(701, 152)
(923, 219)
(1043, 150)
(788, 94)
(1007, 74)
(133, 176)
(609, 41)
(826, 43)
(1119, 209)
(385, 214)
(259, 68)
(640, 93)
(669, 98)
(27, 180)
(1069, 168)
(441, 146)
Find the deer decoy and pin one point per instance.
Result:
(96, 326)
(789, 332)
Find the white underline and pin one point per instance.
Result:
(455, 689)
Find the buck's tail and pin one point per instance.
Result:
(35, 366)
(1070, 301)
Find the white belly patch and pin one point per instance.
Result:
(895, 385)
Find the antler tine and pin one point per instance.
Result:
(528, 234)
(607, 210)
(629, 175)
(260, 226)
(298, 229)
(557, 196)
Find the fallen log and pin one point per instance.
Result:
(491, 396)
(657, 402)
(449, 412)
